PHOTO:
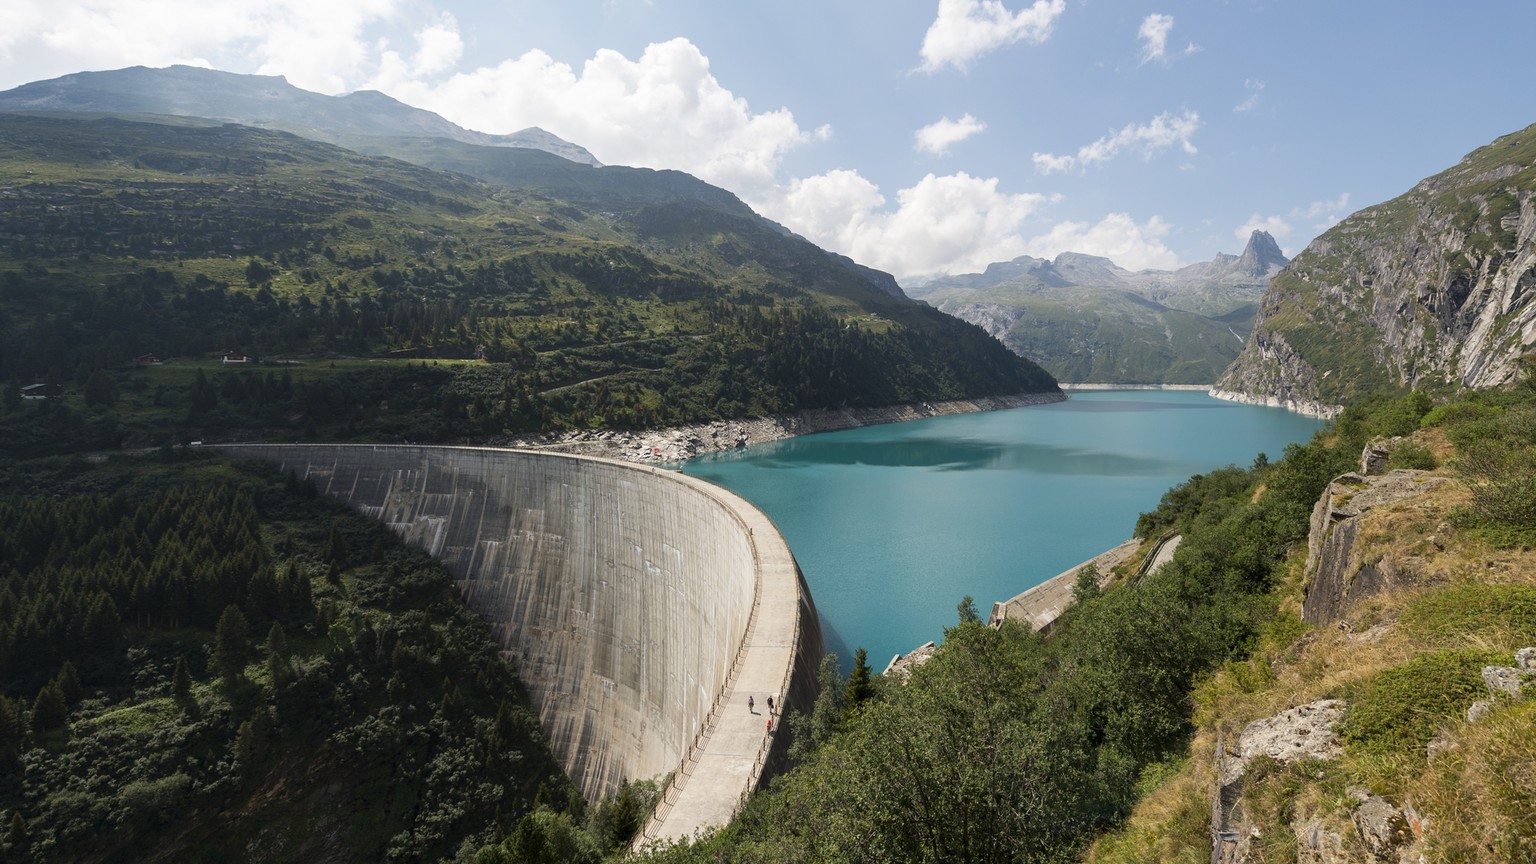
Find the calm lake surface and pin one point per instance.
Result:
(894, 524)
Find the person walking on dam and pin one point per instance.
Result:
(770, 706)
(750, 706)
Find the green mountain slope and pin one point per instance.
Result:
(667, 304)
(266, 101)
(1430, 290)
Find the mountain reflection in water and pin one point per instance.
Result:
(961, 455)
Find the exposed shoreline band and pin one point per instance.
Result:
(679, 443)
(1298, 406)
(1092, 386)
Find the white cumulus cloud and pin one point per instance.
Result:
(438, 49)
(1117, 237)
(662, 110)
(967, 29)
(950, 224)
(666, 110)
(937, 138)
(1276, 226)
(318, 46)
(1154, 36)
(1162, 132)
(1047, 163)
(1328, 210)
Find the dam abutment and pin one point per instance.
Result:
(638, 604)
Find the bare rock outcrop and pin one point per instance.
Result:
(1383, 829)
(1506, 682)
(1374, 830)
(1269, 372)
(1302, 733)
(1373, 459)
(1338, 574)
(1319, 843)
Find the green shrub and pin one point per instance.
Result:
(1412, 454)
(1401, 709)
(1399, 416)
(1453, 414)
(154, 801)
(1495, 614)
(1502, 480)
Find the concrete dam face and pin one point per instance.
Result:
(636, 603)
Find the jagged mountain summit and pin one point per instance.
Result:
(1431, 290)
(266, 101)
(1086, 319)
(1261, 257)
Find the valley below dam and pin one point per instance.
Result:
(894, 524)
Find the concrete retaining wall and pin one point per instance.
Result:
(1040, 606)
(623, 593)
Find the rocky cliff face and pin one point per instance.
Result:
(1430, 290)
(1342, 570)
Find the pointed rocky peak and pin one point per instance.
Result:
(1262, 256)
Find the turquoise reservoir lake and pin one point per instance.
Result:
(894, 524)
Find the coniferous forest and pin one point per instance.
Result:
(201, 659)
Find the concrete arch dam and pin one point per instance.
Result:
(639, 605)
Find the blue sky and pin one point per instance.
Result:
(918, 136)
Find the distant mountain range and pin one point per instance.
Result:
(264, 101)
(1086, 319)
(1432, 290)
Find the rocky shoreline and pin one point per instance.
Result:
(679, 443)
(1070, 387)
(1300, 406)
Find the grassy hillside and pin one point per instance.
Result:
(120, 238)
(1408, 664)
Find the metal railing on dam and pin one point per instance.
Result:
(640, 606)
